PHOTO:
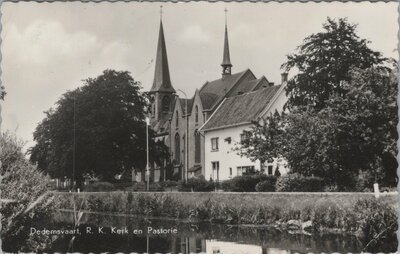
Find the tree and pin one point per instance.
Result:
(98, 128)
(25, 186)
(366, 120)
(352, 134)
(263, 141)
(324, 61)
(342, 111)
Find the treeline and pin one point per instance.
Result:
(340, 119)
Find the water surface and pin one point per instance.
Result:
(117, 233)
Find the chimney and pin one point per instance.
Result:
(284, 77)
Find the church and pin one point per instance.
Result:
(201, 131)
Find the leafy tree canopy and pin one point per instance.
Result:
(323, 62)
(99, 127)
(24, 184)
(352, 134)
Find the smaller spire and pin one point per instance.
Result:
(226, 61)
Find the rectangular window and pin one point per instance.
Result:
(269, 170)
(215, 170)
(245, 170)
(230, 171)
(214, 144)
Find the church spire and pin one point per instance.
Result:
(226, 61)
(162, 81)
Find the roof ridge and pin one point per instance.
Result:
(230, 89)
(240, 72)
(255, 91)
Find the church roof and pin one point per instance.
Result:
(212, 91)
(162, 80)
(208, 99)
(241, 109)
(189, 104)
(162, 125)
(251, 85)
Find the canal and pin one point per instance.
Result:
(95, 233)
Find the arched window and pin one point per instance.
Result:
(177, 119)
(177, 148)
(165, 104)
(196, 113)
(197, 147)
(153, 109)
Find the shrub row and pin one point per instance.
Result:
(270, 183)
(247, 183)
(196, 184)
(297, 182)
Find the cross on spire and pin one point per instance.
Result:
(161, 12)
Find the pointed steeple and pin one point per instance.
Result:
(226, 61)
(162, 81)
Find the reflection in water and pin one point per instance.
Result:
(189, 238)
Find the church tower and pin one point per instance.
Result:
(226, 61)
(162, 93)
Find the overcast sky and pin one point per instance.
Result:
(48, 48)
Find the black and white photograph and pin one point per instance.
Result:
(199, 127)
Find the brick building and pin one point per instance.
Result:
(177, 120)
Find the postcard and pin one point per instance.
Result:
(199, 127)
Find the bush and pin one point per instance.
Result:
(364, 182)
(196, 184)
(142, 186)
(372, 218)
(267, 185)
(23, 183)
(169, 183)
(157, 186)
(244, 183)
(297, 182)
(100, 187)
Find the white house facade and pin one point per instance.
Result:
(223, 132)
(221, 161)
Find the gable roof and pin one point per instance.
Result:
(183, 104)
(212, 92)
(208, 99)
(241, 109)
(250, 85)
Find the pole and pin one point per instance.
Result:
(187, 141)
(147, 153)
(187, 137)
(73, 150)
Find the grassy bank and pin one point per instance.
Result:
(358, 213)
